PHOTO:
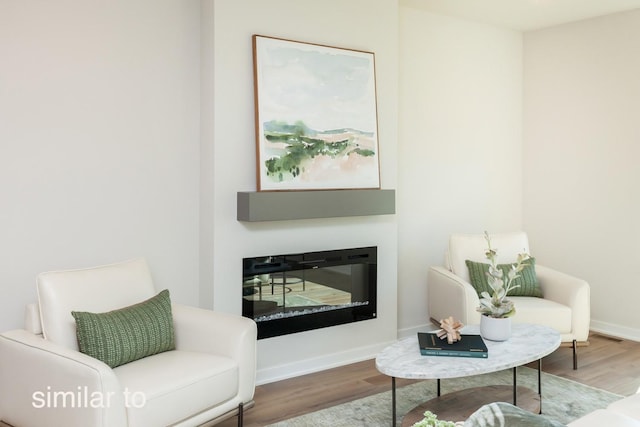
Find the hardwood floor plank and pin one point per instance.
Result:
(612, 365)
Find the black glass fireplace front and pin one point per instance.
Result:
(292, 293)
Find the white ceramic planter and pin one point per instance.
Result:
(495, 329)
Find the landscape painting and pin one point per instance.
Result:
(316, 119)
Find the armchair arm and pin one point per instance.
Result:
(570, 291)
(224, 334)
(450, 295)
(42, 383)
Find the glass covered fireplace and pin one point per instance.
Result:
(292, 293)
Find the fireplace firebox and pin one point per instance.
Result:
(292, 293)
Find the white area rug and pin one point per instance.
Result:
(562, 400)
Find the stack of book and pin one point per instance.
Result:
(468, 346)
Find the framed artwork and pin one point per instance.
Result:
(316, 117)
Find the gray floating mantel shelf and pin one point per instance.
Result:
(254, 206)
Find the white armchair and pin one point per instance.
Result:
(565, 305)
(46, 380)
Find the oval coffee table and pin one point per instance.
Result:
(528, 343)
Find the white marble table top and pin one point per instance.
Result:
(528, 343)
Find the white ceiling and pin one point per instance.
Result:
(524, 15)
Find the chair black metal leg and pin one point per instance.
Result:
(575, 355)
(240, 415)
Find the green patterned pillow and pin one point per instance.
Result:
(529, 286)
(131, 333)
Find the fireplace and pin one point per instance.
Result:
(292, 293)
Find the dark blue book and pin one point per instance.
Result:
(468, 346)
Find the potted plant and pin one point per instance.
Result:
(496, 308)
(431, 420)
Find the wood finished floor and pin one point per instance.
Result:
(609, 364)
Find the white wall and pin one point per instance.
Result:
(103, 155)
(460, 143)
(229, 137)
(582, 145)
(99, 141)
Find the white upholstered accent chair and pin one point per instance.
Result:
(565, 305)
(45, 380)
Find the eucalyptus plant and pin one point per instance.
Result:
(497, 305)
(431, 420)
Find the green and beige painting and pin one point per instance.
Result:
(317, 116)
(298, 152)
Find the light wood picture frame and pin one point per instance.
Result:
(316, 116)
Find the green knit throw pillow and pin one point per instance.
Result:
(131, 333)
(529, 286)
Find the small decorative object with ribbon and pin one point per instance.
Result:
(450, 330)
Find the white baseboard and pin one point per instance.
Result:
(316, 364)
(410, 332)
(618, 331)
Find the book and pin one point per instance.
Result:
(468, 346)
